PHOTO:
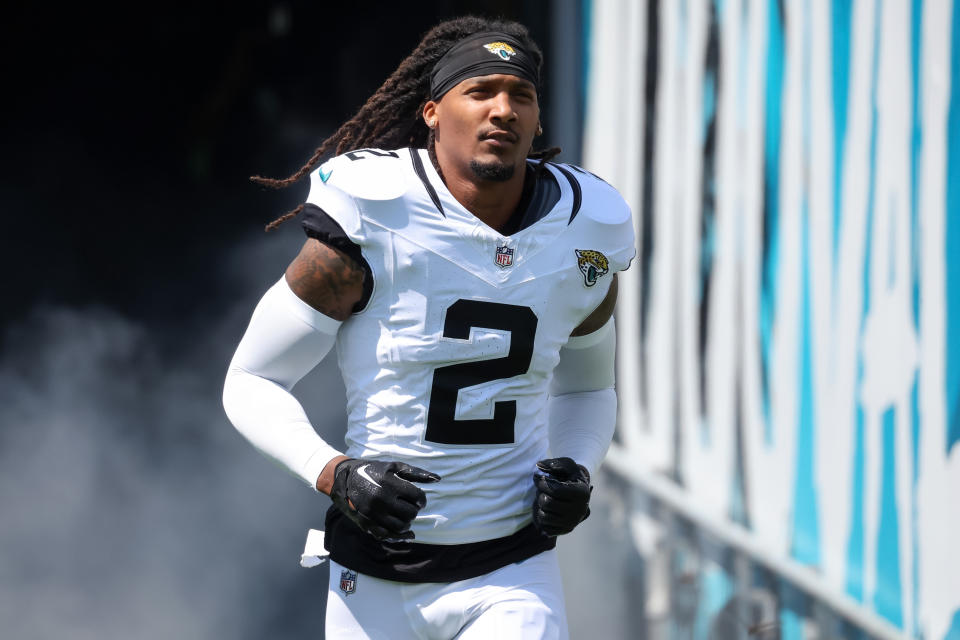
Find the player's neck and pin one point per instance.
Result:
(493, 202)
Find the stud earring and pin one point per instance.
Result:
(539, 129)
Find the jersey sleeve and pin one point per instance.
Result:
(607, 218)
(327, 196)
(332, 216)
(345, 187)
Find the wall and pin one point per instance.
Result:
(790, 330)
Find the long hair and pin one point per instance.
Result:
(393, 116)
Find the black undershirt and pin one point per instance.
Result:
(540, 193)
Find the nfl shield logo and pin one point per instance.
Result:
(348, 581)
(504, 257)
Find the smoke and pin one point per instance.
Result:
(132, 509)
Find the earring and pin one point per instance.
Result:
(539, 129)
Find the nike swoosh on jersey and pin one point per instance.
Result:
(362, 472)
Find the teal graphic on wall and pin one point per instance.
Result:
(795, 345)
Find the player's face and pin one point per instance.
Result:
(485, 125)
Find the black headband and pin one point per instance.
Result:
(481, 54)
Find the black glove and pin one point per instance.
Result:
(379, 497)
(563, 496)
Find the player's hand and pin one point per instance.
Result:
(380, 497)
(563, 496)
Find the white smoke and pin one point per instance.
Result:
(130, 507)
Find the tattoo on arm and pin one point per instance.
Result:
(599, 316)
(326, 279)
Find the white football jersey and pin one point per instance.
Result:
(448, 365)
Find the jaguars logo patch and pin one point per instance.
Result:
(593, 264)
(501, 49)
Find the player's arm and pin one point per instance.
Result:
(599, 316)
(377, 495)
(326, 279)
(330, 282)
(292, 328)
(582, 418)
(583, 402)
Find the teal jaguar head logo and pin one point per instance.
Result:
(593, 265)
(500, 49)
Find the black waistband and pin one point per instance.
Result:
(417, 562)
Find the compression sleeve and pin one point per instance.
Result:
(583, 402)
(286, 338)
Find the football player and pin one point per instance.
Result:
(468, 286)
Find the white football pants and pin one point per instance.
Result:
(522, 601)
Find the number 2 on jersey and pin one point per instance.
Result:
(442, 425)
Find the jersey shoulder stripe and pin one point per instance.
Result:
(601, 201)
(422, 174)
(575, 187)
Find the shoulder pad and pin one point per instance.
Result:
(600, 201)
(367, 174)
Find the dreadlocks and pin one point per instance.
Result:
(392, 117)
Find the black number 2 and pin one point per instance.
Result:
(442, 425)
